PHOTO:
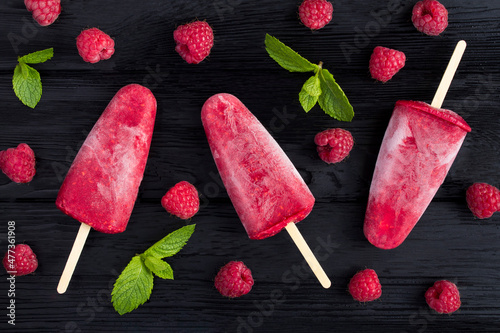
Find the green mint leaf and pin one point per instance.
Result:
(332, 99)
(308, 96)
(27, 84)
(286, 57)
(167, 273)
(133, 287)
(307, 101)
(24, 70)
(312, 86)
(172, 243)
(37, 57)
(155, 264)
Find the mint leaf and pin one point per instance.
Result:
(308, 96)
(332, 99)
(172, 243)
(27, 84)
(312, 86)
(167, 273)
(37, 57)
(155, 264)
(133, 287)
(307, 101)
(286, 57)
(161, 268)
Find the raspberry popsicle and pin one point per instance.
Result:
(419, 147)
(101, 186)
(266, 190)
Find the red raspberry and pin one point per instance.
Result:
(385, 63)
(20, 261)
(194, 41)
(430, 17)
(94, 45)
(443, 297)
(334, 144)
(181, 200)
(315, 14)
(18, 163)
(365, 286)
(45, 12)
(234, 279)
(483, 200)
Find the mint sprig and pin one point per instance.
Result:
(320, 88)
(135, 284)
(26, 81)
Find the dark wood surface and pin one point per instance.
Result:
(447, 243)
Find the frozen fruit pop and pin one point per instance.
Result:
(266, 190)
(101, 186)
(418, 149)
(419, 146)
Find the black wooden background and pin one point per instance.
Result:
(447, 243)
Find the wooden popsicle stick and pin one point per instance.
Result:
(437, 102)
(74, 255)
(308, 255)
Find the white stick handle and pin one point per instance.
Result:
(437, 102)
(308, 255)
(74, 255)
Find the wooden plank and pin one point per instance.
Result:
(448, 243)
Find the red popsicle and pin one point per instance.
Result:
(101, 186)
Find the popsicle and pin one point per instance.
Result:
(418, 149)
(266, 190)
(101, 186)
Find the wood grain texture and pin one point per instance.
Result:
(448, 243)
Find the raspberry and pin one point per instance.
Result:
(18, 163)
(315, 14)
(181, 200)
(194, 41)
(443, 297)
(45, 12)
(234, 279)
(365, 286)
(430, 17)
(20, 261)
(385, 63)
(334, 144)
(483, 200)
(94, 45)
